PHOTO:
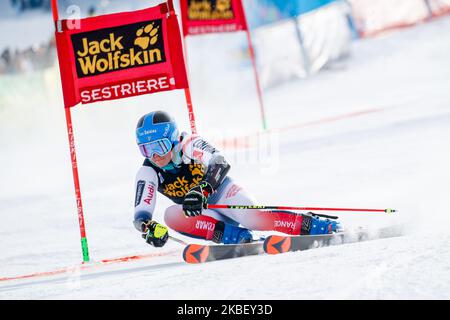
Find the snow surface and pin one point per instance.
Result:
(372, 131)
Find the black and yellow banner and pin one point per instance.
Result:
(112, 49)
(210, 9)
(211, 16)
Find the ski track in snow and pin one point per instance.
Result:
(395, 157)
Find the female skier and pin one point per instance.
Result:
(189, 171)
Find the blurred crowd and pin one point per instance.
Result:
(35, 56)
(24, 5)
(31, 59)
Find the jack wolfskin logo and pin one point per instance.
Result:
(146, 36)
(210, 10)
(112, 49)
(197, 170)
(182, 184)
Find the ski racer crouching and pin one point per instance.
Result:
(192, 173)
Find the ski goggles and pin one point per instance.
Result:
(160, 147)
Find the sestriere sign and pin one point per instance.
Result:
(120, 55)
(210, 16)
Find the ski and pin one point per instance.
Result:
(276, 244)
(197, 253)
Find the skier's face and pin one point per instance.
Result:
(162, 161)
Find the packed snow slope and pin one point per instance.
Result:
(371, 132)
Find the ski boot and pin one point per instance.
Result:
(316, 225)
(228, 234)
(336, 226)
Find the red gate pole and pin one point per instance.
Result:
(187, 91)
(76, 181)
(71, 137)
(258, 86)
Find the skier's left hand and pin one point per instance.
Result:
(196, 199)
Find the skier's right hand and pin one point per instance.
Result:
(155, 233)
(196, 199)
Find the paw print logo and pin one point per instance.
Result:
(196, 170)
(146, 36)
(223, 5)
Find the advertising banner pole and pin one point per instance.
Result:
(258, 86)
(71, 137)
(187, 90)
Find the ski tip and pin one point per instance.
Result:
(195, 253)
(277, 244)
(389, 210)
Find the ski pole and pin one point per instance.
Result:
(172, 238)
(225, 206)
(178, 240)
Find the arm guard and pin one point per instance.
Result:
(198, 150)
(218, 169)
